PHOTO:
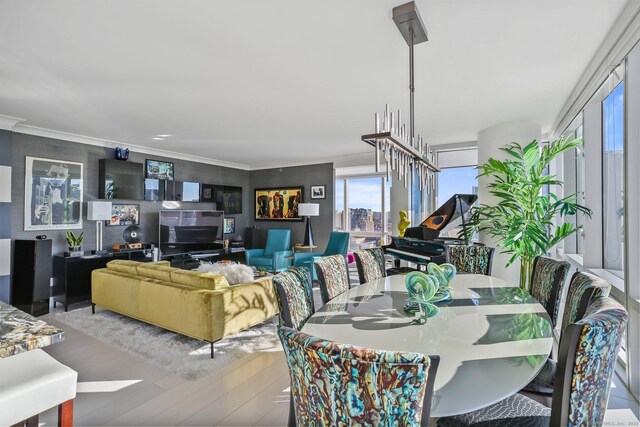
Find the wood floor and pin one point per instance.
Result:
(249, 391)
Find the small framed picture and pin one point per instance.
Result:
(159, 170)
(229, 225)
(124, 214)
(318, 192)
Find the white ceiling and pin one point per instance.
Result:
(272, 83)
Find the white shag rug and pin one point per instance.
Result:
(234, 273)
(184, 356)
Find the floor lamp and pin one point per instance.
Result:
(308, 210)
(99, 212)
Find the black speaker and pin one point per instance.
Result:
(32, 266)
(252, 238)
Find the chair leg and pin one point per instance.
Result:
(93, 308)
(65, 414)
(212, 350)
(292, 412)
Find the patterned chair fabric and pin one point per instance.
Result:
(547, 282)
(337, 385)
(333, 276)
(295, 297)
(470, 259)
(583, 288)
(587, 355)
(370, 263)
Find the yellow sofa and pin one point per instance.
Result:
(200, 305)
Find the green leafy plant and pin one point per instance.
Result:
(522, 220)
(74, 241)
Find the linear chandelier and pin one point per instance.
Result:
(404, 152)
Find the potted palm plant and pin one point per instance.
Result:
(522, 221)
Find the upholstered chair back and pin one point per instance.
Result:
(337, 385)
(547, 283)
(471, 259)
(338, 244)
(295, 296)
(587, 358)
(583, 288)
(277, 240)
(370, 263)
(333, 276)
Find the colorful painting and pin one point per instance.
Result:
(53, 194)
(159, 170)
(122, 214)
(278, 204)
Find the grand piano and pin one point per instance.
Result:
(424, 243)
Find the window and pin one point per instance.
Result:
(339, 221)
(462, 180)
(362, 209)
(613, 181)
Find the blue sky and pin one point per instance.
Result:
(455, 181)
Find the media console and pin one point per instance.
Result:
(72, 274)
(190, 261)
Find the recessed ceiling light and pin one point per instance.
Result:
(158, 139)
(165, 136)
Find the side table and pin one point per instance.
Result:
(300, 247)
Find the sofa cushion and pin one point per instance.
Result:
(124, 266)
(130, 267)
(159, 272)
(199, 279)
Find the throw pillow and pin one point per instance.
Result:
(234, 273)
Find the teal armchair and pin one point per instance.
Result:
(338, 245)
(274, 256)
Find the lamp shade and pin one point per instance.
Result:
(98, 211)
(308, 209)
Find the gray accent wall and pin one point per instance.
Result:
(89, 155)
(20, 145)
(5, 215)
(305, 176)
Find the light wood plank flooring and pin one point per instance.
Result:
(249, 391)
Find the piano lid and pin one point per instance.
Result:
(458, 204)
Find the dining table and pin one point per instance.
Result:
(492, 337)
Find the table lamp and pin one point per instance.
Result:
(308, 210)
(99, 212)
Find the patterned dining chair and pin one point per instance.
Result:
(295, 296)
(338, 384)
(470, 258)
(333, 276)
(370, 263)
(587, 359)
(583, 289)
(547, 283)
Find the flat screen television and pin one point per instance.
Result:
(190, 231)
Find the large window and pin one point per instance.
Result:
(613, 181)
(362, 209)
(462, 180)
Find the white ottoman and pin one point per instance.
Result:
(33, 382)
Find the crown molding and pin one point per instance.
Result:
(82, 139)
(623, 36)
(8, 122)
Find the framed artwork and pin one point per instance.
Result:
(124, 214)
(159, 170)
(232, 200)
(229, 225)
(318, 192)
(52, 194)
(278, 204)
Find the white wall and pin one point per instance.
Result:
(490, 141)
